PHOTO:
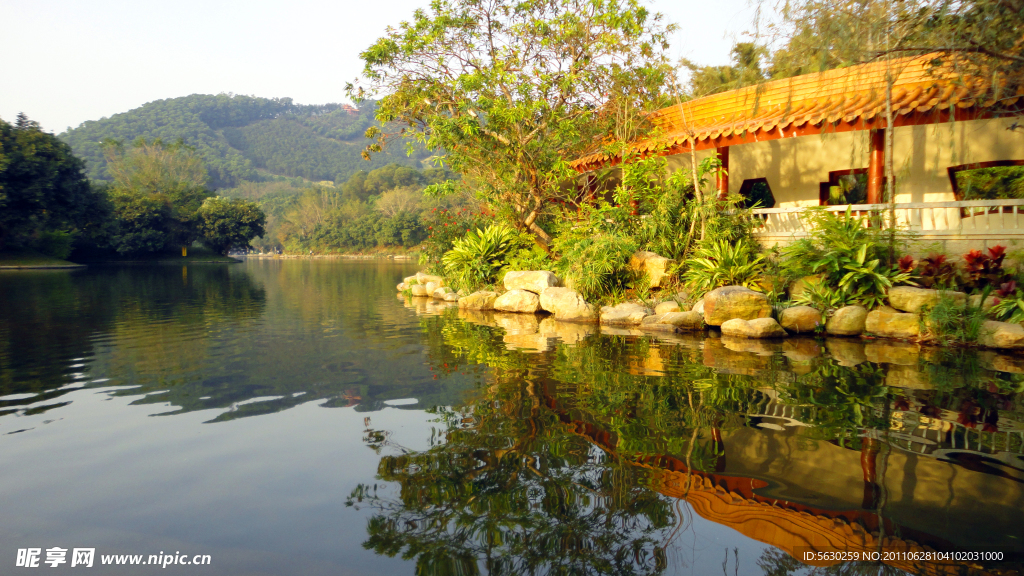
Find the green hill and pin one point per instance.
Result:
(245, 138)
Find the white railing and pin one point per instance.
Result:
(969, 218)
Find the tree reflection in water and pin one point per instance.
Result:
(570, 459)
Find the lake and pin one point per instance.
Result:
(299, 417)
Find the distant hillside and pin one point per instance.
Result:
(243, 138)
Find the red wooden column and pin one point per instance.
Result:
(723, 177)
(876, 167)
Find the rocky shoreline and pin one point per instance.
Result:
(738, 312)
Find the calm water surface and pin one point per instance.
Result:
(299, 418)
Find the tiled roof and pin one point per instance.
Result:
(841, 95)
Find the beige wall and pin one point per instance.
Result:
(794, 167)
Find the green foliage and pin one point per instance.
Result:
(849, 253)
(242, 138)
(511, 118)
(227, 224)
(823, 297)
(141, 224)
(949, 323)
(56, 243)
(444, 227)
(43, 188)
(595, 265)
(723, 263)
(991, 183)
(476, 258)
(1010, 306)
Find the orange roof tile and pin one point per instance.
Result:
(845, 94)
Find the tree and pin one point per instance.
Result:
(511, 91)
(173, 173)
(746, 69)
(227, 224)
(42, 184)
(142, 222)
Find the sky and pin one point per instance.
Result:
(65, 62)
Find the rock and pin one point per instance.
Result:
(683, 320)
(419, 290)
(653, 327)
(666, 307)
(441, 292)
(910, 299)
(698, 307)
(567, 332)
(1001, 335)
(478, 301)
(410, 279)
(887, 324)
(655, 266)
(800, 319)
(431, 286)
(625, 313)
(423, 278)
(533, 281)
(847, 321)
(756, 328)
(846, 352)
(975, 301)
(451, 297)
(729, 302)
(402, 287)
(796, 289)
(522, 301)
(567, 305)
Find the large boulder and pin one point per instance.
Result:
(975, 301)
(666, 307)
(756, 328)
(567, 305)
(655, 266)
(800, 319)
(625, 313)
(892, 324)
(522, 301)
(431, 286)
(402, 287)
(910, 299)
(728, 302)
(534, 281)
(419, 290)
(451, 297)
(478, 301)
(1001, 335)
(847, 321)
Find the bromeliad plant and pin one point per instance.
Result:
(1009, 303)
(722, 263)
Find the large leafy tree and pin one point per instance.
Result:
(227, 224)
(173, 174)
(511, 91)
(42, 185)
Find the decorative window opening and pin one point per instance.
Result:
(757, 193)
(844, 187)
(988, 180)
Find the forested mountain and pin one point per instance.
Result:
(244, 138)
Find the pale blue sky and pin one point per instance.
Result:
(67, 61)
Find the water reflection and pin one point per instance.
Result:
(576, 453)
(244, 340)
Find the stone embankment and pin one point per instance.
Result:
(736, 311)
